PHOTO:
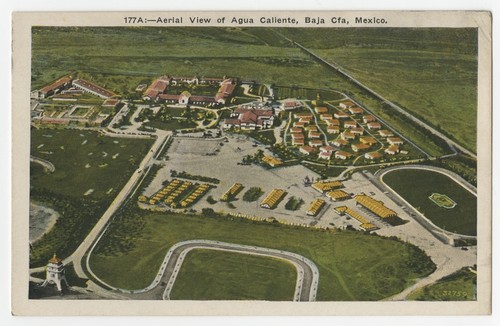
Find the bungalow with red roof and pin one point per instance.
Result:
(298, 142)
(341, 115)
(320, 109)
(395, 141)
(342, 155)
(373, 125)
(311, 128)
(297, 136)
(326, 149)
(392, 150)
(289, 104)
(315, 143)
(332, 122)
(326, 117)
(368, 140)
(325, 155)
(358, 131)
(333, 129)
(296, 130)
(385, 133)
(314, 135)
(346, 104)
(373, 155)
(369, 118)
(299, 124)
(350, 124)
(359, 147)
(302, 115)
(347, 135)
(356, 110)
(306, 150)
(340, 142)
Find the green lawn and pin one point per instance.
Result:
(84, 160)
(217, 275)
(131, 252)
(459, 286)
(417, 185)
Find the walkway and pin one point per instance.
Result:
(46, 164)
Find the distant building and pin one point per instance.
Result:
(52, 88)
(356, 110)
(350, 124)
(374, 125)
(373, 155)
(395, 141)
(342, 155)
(392, 150)
(346, 104)
(92, 88)
(250, 119)
(341, 115)
(306, 150)
(385, 133)
(159, 86)
(360, 147)
(369, 118)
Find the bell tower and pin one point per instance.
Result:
(55, 273)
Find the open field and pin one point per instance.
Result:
(218, 275)
(346, 260)
(460, 219)
(459, 286)
(84, 160)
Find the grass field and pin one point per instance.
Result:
(131, 252)
(217, 275)
(84, 160)
(417, 185)
(459, 286)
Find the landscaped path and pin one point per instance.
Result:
(307, 272)
(46, 164)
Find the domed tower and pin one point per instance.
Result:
(55, 273)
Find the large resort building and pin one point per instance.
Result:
(157, 90)
(250, 119)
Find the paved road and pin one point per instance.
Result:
(335, 66)
(160, 288)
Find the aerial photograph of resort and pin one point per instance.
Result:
(253, 163)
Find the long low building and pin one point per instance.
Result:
(273, 199)
(365, 224)
(325, 186)
(375, 206)
(315, 207)
(92, 88)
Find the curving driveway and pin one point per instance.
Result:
(307, 272)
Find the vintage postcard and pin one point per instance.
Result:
(251, 163)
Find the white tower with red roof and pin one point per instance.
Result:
(55, 273)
